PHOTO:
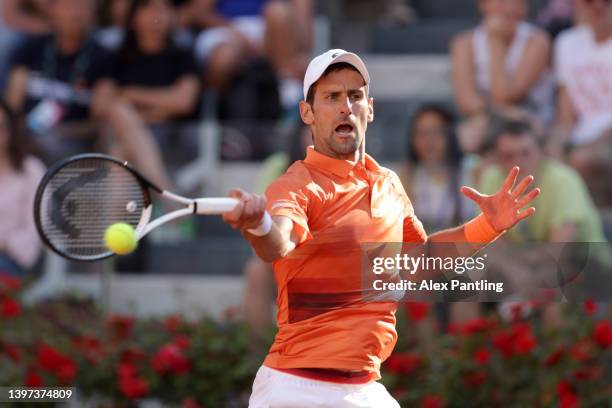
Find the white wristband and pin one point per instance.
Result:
(264, 228)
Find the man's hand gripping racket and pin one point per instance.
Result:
(81, 197)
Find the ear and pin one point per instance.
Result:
(370, 110)
(306, 113)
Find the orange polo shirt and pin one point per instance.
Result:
(335, 205)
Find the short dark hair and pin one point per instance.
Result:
(17, 142)
(338, 66)
(515, 128)
(453, 153)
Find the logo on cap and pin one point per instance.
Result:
(335, 54)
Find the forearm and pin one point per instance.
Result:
(174, 100)
(16, 88)
(499, 78)
(459, 242)
(16, 19)
(271, 246)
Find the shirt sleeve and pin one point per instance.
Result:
(413, 230)
(287, 197)
(572, 200)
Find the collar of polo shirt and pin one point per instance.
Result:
(337, 166)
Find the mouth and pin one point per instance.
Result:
(344, 129)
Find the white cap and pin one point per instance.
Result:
(319, 64)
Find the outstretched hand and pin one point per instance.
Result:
(504, 209)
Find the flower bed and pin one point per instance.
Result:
(120, 360)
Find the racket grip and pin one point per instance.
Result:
(215, 205)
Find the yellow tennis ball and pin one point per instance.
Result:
(120, 238)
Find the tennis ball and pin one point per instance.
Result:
(120, 238)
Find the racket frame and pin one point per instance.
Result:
(202, 206)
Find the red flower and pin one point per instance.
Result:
(567, 397)
(120, 326)
(433, 401)
(475, 379)
(479, 324)
(132, 355)
(581, 351)
(504, 343)
(10, 308)
(590, 307)
(524, 343)
(125, 370)
(8, 283)
(170, 358)
(11, 351)
(482, 356)
(517, 340)
(603, 334)
(190, 403)
(90, 347)
(33, 379)
(417, 311)
(555, 357)
(181, 341)
(587, 373)
(173, 323)
(133, 387)
(61, 366)
(403, 363)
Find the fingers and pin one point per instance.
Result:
(248, 212)
(527, 198)
(510, 179)
(525, 213)
(472, 194)
(522, 186)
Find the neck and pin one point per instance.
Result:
(151, 45)
(69, 44)
(602, 33)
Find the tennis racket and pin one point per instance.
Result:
(81, 196)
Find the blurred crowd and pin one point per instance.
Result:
(132, 77)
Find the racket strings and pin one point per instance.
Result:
(83, 199)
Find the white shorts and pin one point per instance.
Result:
(275, 389)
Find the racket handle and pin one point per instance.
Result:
(215, 205)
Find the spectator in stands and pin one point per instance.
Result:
(583, 62)
(18, 18)
(112, 18)
(61, 82)
(503, 62)
(20, 174)
(565, 210)
(433, 173)
(432, 177)
(556, 16)
(155, 74)
(236, 31)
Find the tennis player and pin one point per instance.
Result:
(329, 348)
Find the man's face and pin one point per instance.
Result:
(340, 114)
(71, 17)
(596, 13)
(154, 19)
(518, 150)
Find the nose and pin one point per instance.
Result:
(345, 106)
